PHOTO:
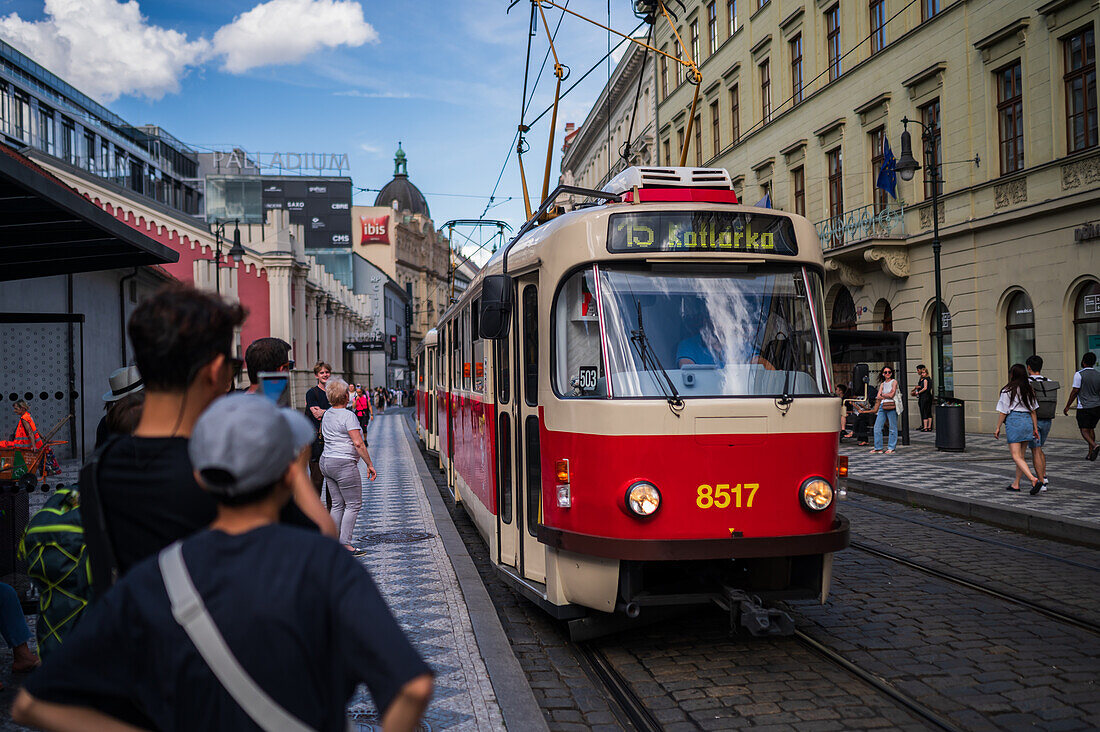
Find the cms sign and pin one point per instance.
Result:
(376, 229)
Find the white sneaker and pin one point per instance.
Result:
(1044, 487)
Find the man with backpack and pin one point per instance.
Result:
(248, 624)
(1046, 393)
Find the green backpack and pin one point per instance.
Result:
(57, 563)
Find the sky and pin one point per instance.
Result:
(356, 76)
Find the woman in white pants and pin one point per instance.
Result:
(344, 446)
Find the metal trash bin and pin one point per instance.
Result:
(951, 426)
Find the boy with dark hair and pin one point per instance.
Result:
(245, 595)
(182, 340)
(1046, 394)
(266, 354)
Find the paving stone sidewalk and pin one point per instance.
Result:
(975, 481)
(407, 559)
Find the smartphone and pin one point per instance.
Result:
(275, 385)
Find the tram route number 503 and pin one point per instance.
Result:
(723, 495)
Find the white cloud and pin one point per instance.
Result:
(359, 94)
(369, 149)
(107, 48)
(286, 31)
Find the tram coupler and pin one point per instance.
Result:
(747, 613)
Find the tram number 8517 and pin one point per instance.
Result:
(723, 495)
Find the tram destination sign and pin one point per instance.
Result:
(700, 232)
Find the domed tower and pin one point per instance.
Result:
(400, 194)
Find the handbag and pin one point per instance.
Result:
(190, 612)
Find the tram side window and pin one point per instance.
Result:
(503, 372)
(531, 345)
(504, 466)
(534, 474)
(467, 366)
(578, 366)
(478, 348)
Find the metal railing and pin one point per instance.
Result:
(862, 223)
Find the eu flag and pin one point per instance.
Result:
(887, 175)
(766, 201)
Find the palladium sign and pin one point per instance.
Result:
(286, 161)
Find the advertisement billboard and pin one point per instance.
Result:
(321, 205)
(375, 228)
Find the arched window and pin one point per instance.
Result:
(1086, 321)
(948, 367)
(1020, 328)
(884, 316)
(844, 311)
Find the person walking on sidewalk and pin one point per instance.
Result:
(1017, 406)
(887, 406)
(245, 625)
(363, 410)
(1086, 390)
(1046, 394)
(316, 404)
(340, 460)
(923, 392)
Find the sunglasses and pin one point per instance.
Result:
(290, 365)
(887, 371)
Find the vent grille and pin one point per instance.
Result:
(671, 177)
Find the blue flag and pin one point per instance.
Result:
(887, 175)
(766, 201)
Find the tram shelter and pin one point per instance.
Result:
(851, 348)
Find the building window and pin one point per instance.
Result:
(1020, 328)
(731, 14)
(1086, 321)
(930, 116)
(664, 74)
(698, 142)
(836, 191)
(20, 111)
(712, 26)
(844, 311)
(929, 9)
(1010, 118)
(877, 158)
(766, 91)
(761, 3)
(46, 134)
(680, 145)
(668, 153)
(89, 151)
(695, 41)
(715, 127)
(67, 140)
(884, 314)
(948, 358)
(1080, 81)
(679, 66)
(735, 115)
(796, 69)
(832, 40)
(798, 190)
(878, 25)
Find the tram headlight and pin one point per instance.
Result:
(816, 494)
(643, 499)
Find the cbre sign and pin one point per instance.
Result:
(375, 229)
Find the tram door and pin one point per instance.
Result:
(528, 486)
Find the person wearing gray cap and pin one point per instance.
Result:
(249, 624)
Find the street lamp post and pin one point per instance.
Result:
(236, 252)
(906, 167)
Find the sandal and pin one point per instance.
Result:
(863, 444)
(877, 450)
(890, 452)
(1010, 488)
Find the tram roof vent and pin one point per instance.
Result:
(674, 177)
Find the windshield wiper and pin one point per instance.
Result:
(650, 360)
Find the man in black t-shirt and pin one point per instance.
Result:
(182, 339)
(316, 404)
(300, 616)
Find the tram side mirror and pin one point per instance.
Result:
(496, 306)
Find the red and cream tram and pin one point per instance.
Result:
(426, 358)
(633, 402)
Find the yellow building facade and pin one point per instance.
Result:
(797, 99)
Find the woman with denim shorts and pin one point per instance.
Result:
(1017, 405)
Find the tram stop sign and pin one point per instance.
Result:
(374, 344)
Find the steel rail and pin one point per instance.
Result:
(956, 532)
(882, 685)
(635, 711)
(1006, 596)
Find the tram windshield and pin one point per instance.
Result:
(704, 331)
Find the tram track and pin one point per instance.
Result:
(1049, 612)
(630, 709)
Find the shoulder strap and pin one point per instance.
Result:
(190, 612)
(101, 552)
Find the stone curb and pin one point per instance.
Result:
(1025, 521)
(513, 691)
